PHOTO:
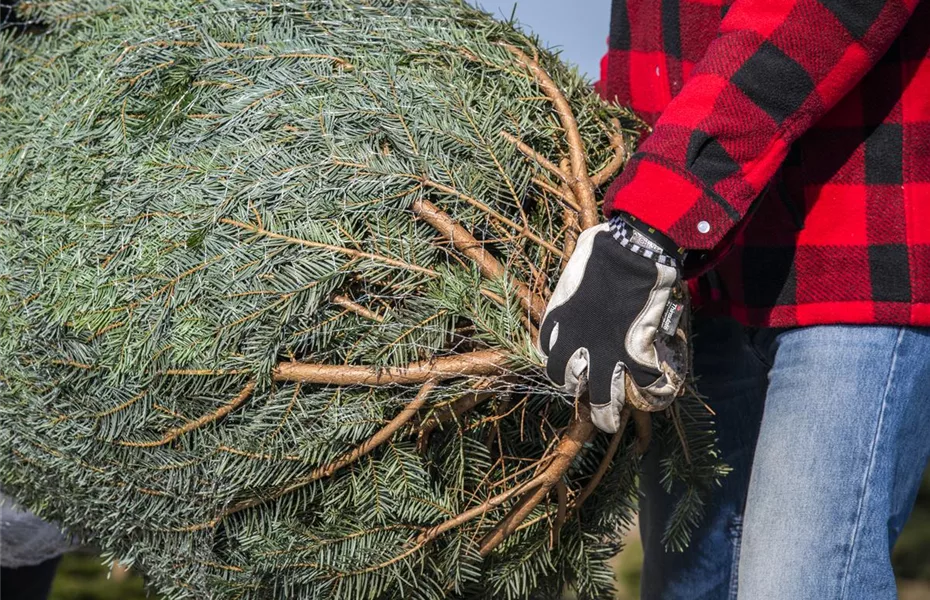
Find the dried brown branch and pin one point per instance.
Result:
(536, 156)
(606, 461)
(619, 157)
(643, 422)
(357, 308)
(572, 226)
(466, 243)
(561, 492)
(479, 362)
(175, 433)
(573, 440)
(580, 182)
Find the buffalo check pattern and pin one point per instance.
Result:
(789, 151)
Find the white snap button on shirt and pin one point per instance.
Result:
(703, 226)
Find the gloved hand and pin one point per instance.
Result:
(612, 323)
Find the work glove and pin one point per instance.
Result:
(612, 323)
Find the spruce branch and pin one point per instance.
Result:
(466, 243)
(357, 308)
(122, 406)
(481, 509)
(536, 156)
(380, 437)
(523, 230)
(580, 182)
(262, 232)
(675, 414)
(175, 433)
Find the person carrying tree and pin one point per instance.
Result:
(786, 179)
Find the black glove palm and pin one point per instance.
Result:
(614, 313)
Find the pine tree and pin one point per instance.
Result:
(269, 279)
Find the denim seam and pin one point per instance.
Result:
(737, 529)
(868, 471)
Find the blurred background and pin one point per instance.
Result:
(578, 30)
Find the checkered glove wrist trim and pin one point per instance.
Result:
(639, 243)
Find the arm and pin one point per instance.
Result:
(776, 67)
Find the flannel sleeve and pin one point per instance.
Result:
(774, 69)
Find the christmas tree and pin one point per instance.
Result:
(270, 276)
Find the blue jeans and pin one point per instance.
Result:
(827, 429)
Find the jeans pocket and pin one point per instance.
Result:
(762, 343)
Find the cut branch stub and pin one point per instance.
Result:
(478, 363)
(643, 422)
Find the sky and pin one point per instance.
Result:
(578, 27)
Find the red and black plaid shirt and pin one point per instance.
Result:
(790, 150)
